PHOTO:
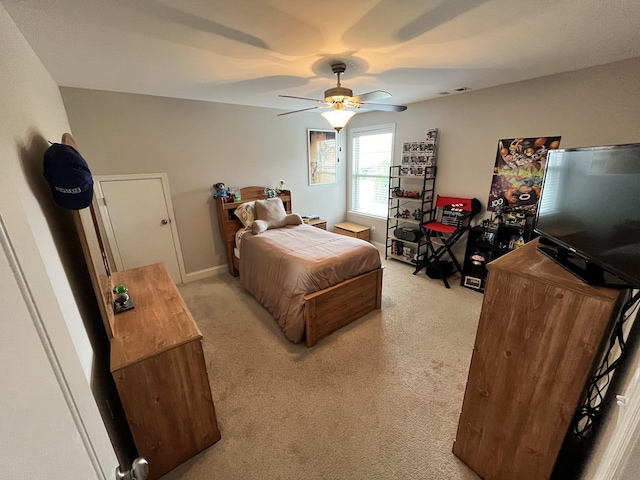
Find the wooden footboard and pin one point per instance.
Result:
(331, 309)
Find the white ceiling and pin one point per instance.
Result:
(249, 51)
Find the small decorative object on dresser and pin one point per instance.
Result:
(121, 301)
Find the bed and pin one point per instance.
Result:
(313, 282)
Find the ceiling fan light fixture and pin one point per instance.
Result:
(339, 98)
(338, 116)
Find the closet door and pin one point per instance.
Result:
(139, 222)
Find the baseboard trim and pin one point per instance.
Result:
(207, 272)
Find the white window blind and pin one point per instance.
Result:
(551, 185)
(371, 157)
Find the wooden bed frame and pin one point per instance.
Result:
(325, 311)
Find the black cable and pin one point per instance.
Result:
(598, 383)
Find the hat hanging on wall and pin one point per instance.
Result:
(69, 177)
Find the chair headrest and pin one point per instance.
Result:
(472, 205)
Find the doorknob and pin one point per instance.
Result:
(164, 221)
(139, 470)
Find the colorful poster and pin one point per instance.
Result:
(518, 172)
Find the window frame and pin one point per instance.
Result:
(357, 131)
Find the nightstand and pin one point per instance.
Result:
(318, 223)
(352, 230)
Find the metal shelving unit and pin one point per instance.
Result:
(411, 196)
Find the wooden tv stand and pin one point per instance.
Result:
(160, 373)
(540, 335)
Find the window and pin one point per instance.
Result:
(552, 181)
(371, 157)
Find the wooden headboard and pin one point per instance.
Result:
(229, 223)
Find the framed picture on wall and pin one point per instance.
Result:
(322, 146)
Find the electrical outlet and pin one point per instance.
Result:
(373, 229)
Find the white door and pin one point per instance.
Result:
(44, 433)
(139, 222)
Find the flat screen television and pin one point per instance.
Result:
(589, 213)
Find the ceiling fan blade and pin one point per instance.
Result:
(375, 95)
(302, 98)
(296, 111)
(382, 106)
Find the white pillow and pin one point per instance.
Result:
(260, 226)
(246, 213)
(270, 213)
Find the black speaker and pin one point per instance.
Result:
(408, 234)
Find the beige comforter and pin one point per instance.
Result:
(280, 266)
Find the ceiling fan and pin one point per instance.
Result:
(339, 99)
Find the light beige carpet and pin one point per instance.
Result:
(379, 399)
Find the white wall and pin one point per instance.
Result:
(595, 106)
(198, 144)
(47, 409)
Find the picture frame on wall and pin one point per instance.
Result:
(322, 161)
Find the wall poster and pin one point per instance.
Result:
(518, 172)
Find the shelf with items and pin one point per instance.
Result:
(402, 258)
(407, 220)
(481, 245)
(411, 194)
(485, 244)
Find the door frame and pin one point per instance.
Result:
(105, 219)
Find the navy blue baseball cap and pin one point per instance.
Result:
(69, 176)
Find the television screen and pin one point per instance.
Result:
(590, 207)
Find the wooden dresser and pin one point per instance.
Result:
(540, 335)
(160, 373)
